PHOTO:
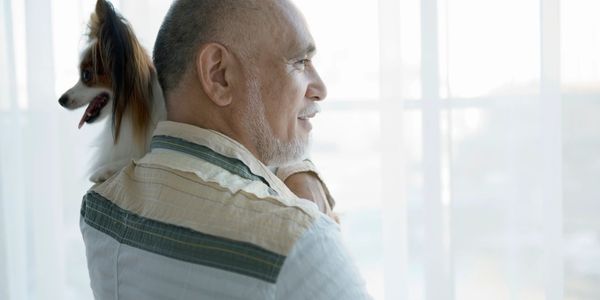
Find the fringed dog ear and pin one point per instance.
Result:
(130, 69)
(97, 32)
(101, 9)
(135, 86)
(98, 17)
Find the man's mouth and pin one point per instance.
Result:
(94, 108)
(306, 117)
(309, 112)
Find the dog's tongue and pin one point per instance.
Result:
(87, 114)
(93, 109)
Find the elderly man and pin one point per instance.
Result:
(202, 216)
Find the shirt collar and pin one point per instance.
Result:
(220, 149)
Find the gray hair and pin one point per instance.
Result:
(187, 26)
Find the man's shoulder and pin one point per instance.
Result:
(209, 200)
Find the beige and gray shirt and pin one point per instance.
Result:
(200, 218)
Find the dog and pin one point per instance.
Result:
(118, 81)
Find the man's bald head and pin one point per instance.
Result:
(191, 23)
(242, 68)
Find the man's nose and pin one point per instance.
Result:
(317, 90)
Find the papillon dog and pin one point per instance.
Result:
(118, 81)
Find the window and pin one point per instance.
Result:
(459, 138)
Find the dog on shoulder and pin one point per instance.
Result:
(118, 81)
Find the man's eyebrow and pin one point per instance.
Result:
(309, 50)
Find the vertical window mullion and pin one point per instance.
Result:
(44, 200)
(395, 231)
(438, 279)
(12, 215)
(551, 149)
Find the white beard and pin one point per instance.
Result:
(271, 150)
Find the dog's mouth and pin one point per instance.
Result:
(94, 108)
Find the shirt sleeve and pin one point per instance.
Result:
(304, 166)
(320, 267)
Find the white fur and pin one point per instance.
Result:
(110, 157)
(81, 94)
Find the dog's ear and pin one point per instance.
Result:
(119, 53)
(101, 8)
(98, 17)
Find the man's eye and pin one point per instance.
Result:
(303, 63)
(86, 75)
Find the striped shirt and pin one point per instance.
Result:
(199, 217)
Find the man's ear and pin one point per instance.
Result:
(213, 68)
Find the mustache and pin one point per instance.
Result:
(310, 110)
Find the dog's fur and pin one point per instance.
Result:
(118, 81)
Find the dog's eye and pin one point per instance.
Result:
(86, 75)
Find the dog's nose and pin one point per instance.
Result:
(63, 100)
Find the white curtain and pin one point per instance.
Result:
(460, 139)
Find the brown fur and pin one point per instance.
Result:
(119, 61)
(99, 75)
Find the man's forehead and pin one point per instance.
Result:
(279, 25)
(293, 27)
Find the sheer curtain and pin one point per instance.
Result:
(474, 124)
